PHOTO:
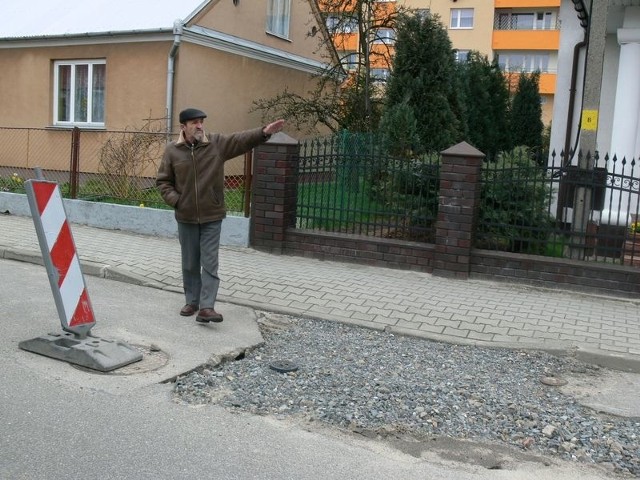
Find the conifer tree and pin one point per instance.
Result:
(526, 113)
(424, 76)
(486, 97)
(400, 131)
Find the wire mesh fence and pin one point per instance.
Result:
(104, 166)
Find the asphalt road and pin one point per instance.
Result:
(63, 422)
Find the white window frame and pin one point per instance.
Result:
(350, 61)
(338, 23)
(385, 35)
(458, 20)
(332, 21)
(71, 120)
(278, 18)
(541, 20)
(380, 75)
(523, 20)
(524, 62)
(544, 23)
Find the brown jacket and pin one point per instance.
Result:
(191, 179)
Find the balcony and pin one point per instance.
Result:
(525, 40)
(345, 41)
(547, 85)
(527, 3)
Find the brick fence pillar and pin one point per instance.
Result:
(457, 210)
(274, 192)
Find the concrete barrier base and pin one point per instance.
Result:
(90, 352)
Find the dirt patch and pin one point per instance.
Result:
(606, 391)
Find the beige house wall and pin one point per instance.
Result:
(248, 20)
(25, 83)
(224, 86)
(221, 83)
(136, 82)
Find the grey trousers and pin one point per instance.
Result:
(200, 244)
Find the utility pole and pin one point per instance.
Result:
(587, 151)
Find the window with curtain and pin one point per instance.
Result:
(350, 60)
(380, 74)
(278, 17)
(524, 62)
(78, 92)
(524, 21)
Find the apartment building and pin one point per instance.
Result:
(523, 35)
(526, 38)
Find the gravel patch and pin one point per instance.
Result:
(373, 382)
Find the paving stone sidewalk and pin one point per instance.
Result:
(472, 312)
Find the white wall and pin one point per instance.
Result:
(571, 33)
(608, 93)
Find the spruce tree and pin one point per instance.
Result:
(486, 97)
(400, 131)
(424, 77)
(526, 113)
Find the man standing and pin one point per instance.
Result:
(191, 180)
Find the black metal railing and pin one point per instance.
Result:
(522, 21)
(529, 204)
(348, 184)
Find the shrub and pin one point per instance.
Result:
(126, 156)
(514, 214)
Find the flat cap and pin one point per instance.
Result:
(190, 114)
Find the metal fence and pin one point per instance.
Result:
(525, 21)
(347, 184)
(529, 205)
(104, 166)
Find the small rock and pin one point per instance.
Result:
(553, 381)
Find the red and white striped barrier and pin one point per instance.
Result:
(60, 257)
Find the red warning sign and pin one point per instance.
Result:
(60, 256)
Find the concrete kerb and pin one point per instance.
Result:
(27, 256)
(626, 363)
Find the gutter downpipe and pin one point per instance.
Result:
(171, 61)
(572, 98)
